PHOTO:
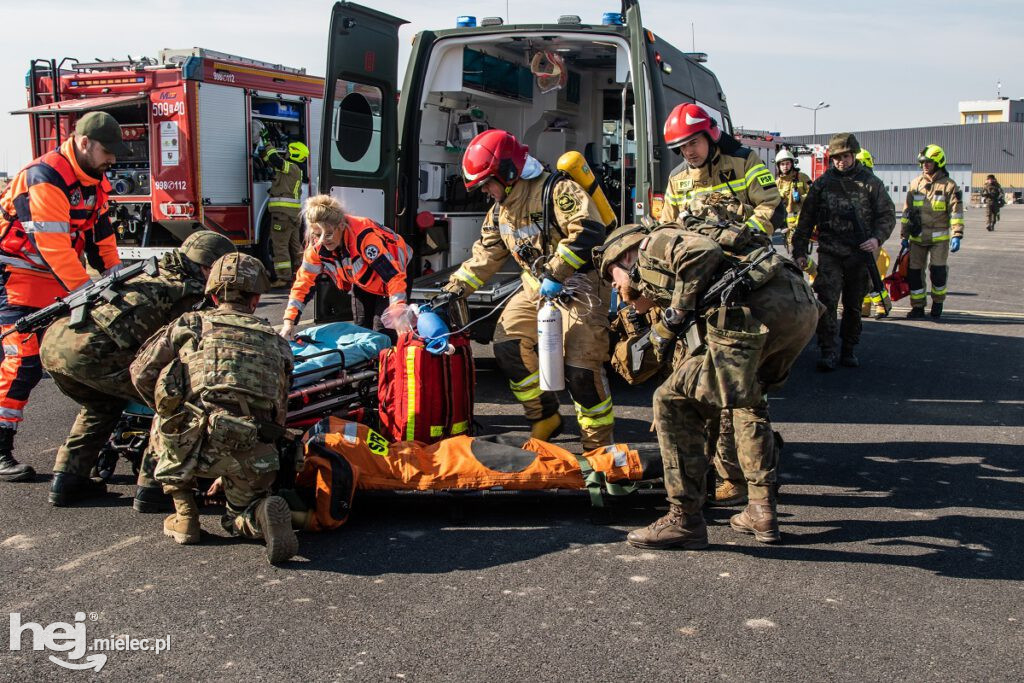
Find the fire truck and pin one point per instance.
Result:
(193, 120)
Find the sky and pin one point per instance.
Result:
(878, 64)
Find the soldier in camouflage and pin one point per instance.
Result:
(89, 363)
(731, 365)
(844, 188)
(218, 380)
(992, 195)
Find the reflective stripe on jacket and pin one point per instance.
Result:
(52, 212)
(371, 257)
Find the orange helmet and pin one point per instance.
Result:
(493, 154)
(687, 120)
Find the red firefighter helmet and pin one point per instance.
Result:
(685, 121)
(493, 154)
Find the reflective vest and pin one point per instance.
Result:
(371, 257)
(50, 214)
(286, 189)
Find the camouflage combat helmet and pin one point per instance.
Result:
(616, 244)
(841, 143)
(234, 276)
(205, 246)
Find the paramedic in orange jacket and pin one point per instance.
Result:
(355, 253)
(54, 210)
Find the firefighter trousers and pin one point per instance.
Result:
(285, 244)
(585, 343)
(935, 256)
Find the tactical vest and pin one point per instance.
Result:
(147, 304)
(231, 365)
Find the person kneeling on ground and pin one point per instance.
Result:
(218, 380)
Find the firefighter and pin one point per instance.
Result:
(556, 259)
(674, 268)
(714, 162)
(852, 213)
(284, 204)
(992, 195)
(53, 211)
(356, 254)
(932, 226)
(793, 186)
(880, 299)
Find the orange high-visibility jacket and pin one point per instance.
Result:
(50, 214)
(371, 257)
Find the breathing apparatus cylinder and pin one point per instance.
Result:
(550, 354)
(578, 169)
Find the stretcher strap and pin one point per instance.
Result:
(597, 484)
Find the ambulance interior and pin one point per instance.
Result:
(513, 83)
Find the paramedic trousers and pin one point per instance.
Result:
(585, 343)
(935, 256)
(285, 243)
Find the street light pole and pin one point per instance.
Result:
(814, 111)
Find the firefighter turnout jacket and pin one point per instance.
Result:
(285, 193)
(935, 204)
(514, 228)
(371, 257)
(739, 173)
(52, 212)
(793, 187)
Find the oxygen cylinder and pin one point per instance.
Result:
(578, 169)
(549, 347)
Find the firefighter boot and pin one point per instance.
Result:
(546, 429)
(11, 469)
(828, 360)
(936, 311)
(183, 525)
(275, 521)
(916, 313)
(68, 488)
(729, 493)
(847, 358)
(675, 530)
(758, 518)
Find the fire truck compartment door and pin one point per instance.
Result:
(84, 104)
(223, 149)
(359, 127)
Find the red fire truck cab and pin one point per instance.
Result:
(193, 120)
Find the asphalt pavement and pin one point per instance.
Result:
(903, 557)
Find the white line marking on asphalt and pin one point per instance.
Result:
(639, 579)
(637, 558)
(758, 624)
(75, 564)
(19, 542)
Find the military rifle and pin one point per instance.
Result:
(79, 302)
(877, 286)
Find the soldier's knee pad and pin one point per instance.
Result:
(583, 386)
(914, 278)
(939, 275)
(508, 355)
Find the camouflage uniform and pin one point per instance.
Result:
(992, 195)
(513, 228)
(218, 380)
(842, 267)
(89, 364)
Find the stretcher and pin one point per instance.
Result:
(335, 374)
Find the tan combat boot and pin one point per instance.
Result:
(275, 520)
(674, 530)
(758, 518)
(183, 525)
(729, 493)
(546, 429)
